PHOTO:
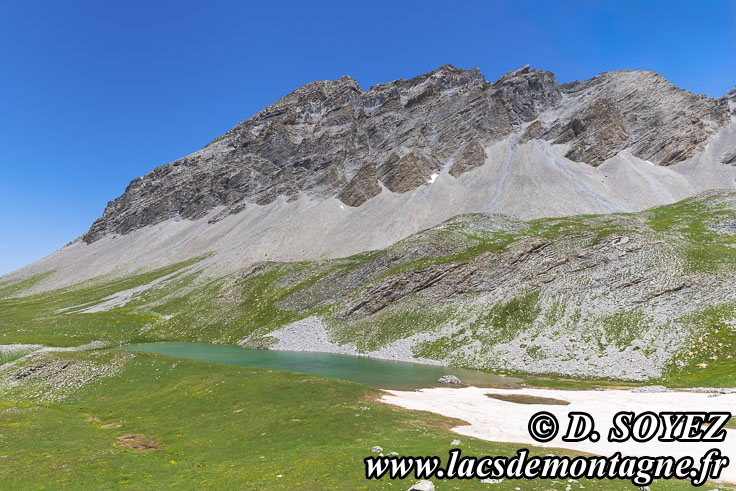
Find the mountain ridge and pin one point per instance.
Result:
(635, 296)
(311, 176)
(279, 150)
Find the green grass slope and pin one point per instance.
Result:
(220, 427)
(643, 296)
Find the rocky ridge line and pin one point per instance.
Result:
(331, 138)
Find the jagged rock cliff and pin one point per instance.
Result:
(331, 170)
(331, 138)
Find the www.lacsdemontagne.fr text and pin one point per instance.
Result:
(641, 471)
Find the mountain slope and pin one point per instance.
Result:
(641, 296)
(332, 170)
(331, 138)
(444, 218)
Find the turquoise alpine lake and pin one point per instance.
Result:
(381, 374)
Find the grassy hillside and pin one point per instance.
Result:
(644, 296)
(583, 300)
(161, 422)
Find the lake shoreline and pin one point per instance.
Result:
(377, 373)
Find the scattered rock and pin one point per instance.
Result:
(422, 486)
(651, 389)
(719, 390)
(488, 480)
(449, 379)
(729, 158)
(53, 379)
(376, 449)
(455, 443)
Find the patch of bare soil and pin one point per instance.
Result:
(138, 442)
(524, 399)
(111, 425)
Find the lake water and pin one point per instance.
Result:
(382, 374)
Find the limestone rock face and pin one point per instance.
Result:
(362, 187)
(471, 157)
(332, 139)
(596, 134)
(731, 98)
(667, 124)
(525, 93)
(729, 158)
(532, 132)
(401, 175)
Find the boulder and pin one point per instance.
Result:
(449, 379)
(422, 486)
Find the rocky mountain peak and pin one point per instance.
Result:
(332, 139)
(446, 77)
(666, 124)
(526, 92)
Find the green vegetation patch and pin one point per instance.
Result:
(526, 399)
(165, 422)
(594, 228)
(499, 324)
(391, 324)
(709, 356)
(506, 320)
(622, 328)
(54, 318)
(695, 221)
(225, 310)
(12, 353)
(12, 288)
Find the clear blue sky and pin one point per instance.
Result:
(96, 93)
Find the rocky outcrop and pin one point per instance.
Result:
(532, 132)
(729, 158)
(362, 187)
(401, 175)
(621, 296)
(320, 140)
(595, 134)
(450, 379)
(471, 157)
(525, 93)
(667, 124)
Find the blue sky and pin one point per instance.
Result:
(94, 94)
